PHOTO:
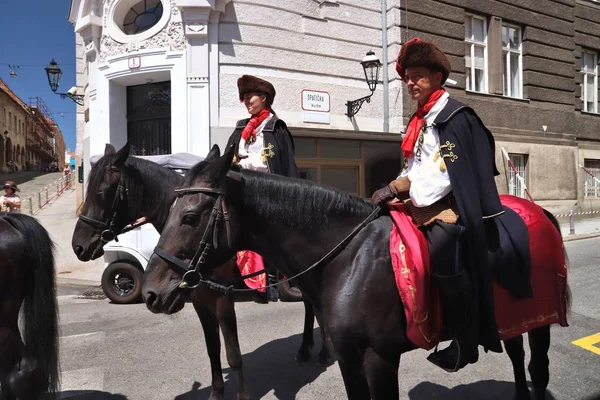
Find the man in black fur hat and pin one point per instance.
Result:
(263, 142)
(449, 188)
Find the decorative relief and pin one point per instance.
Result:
(196, 27)
(174, 9)
(171, 37)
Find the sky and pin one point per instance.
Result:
(32, 33)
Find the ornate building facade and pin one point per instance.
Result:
(162, 74)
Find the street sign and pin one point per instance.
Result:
(315, 106)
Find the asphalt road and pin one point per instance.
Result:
(120, 352)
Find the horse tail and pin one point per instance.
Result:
(554, 221)
(40, 309)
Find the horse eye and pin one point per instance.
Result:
(189, 219)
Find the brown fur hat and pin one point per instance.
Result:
(419, 53)
(249, 84)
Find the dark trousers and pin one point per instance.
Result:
(444, 247)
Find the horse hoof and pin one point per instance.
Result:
(324, 360)
(302, 356)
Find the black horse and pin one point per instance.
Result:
(122, 189)
(27, 369)
(293, 223)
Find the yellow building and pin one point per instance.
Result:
(14, 114)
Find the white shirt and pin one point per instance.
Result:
(251, 155)
(429, 180)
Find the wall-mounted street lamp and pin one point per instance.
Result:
(371, 65)
(54, 73)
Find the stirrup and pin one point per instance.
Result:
(439, 358)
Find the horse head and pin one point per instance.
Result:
(102, 215)
(200, 233)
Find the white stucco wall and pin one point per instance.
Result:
(203, 47)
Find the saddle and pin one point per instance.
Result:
(514, 314)
(507, 239)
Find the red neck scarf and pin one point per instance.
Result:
(255, 121)
(416, 123)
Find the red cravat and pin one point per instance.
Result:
(416, 122)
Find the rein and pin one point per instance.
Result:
(192, 277)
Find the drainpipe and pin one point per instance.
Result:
(384, 45)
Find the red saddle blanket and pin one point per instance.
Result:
(514, 316)
(249, 262)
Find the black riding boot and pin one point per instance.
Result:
(272, 292)
(458, 309)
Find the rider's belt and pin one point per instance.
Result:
(444, 210)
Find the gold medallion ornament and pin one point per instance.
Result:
(267, 152)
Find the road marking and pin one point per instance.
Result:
(84, 339)
(82, 379)
(589, 342)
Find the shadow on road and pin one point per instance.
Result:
(89, 395)
(271, 367)
(483, 390)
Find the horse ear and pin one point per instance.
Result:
(109, 149)
(213, 154)
(221, 166)
(122, 155)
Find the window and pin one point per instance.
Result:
(589, 82)
(591, 185)
(517, 179)
(4, 116)
(9, 120)
(15, 126)
(142, 16)
(512, 61)
(476, 53)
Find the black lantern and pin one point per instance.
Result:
(54, 74)
(371, 66)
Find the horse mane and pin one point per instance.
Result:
(145, 181)
(313, 204)
(149, 193)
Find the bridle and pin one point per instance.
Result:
(192, 276)
(108, 227)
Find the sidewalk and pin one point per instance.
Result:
(59, 219)
(585, 228)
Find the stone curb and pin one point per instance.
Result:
(76, 282)
(569, 238)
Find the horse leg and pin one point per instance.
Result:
(539, 343)
(228, 324)
(324, 357)
(308, 341)
(516, 352)
(210, 325)
(357, 387)
(382, 376)
(20, 381)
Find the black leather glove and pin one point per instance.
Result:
(383, 195)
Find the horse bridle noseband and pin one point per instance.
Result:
(192, 276)
(108, 233)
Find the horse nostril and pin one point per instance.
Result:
(78, 250)
(151, 298)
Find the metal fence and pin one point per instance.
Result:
(33, 204)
